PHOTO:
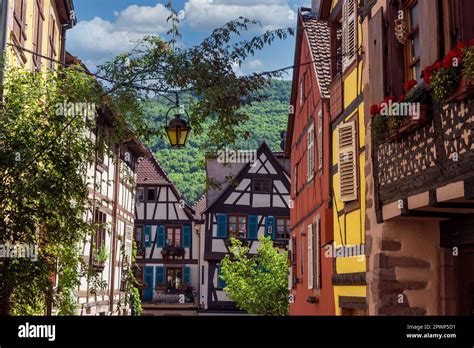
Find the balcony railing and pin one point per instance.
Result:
(428, 157)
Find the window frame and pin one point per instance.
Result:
(230, 233)
(310, 151)
(411, 62)
(261, 181)
(174, 234)
(286, 225)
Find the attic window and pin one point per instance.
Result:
(151, 194)
(141, 195)
(262, 185)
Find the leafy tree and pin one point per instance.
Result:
(257, 283)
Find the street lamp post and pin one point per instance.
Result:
(177, 129)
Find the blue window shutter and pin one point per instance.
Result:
(270, 227)
(222, 225)
(159, 275)
(253, 227)
(220, 282)
(147, 235)
(186, 241)
(160, 237)
(148, 280)
(187, 275)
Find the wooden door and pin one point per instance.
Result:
(466, 281)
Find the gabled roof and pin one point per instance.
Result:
(318, 35)
(150, 171)
(262, 149)
(200, 206)
(319, 41)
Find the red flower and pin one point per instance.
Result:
(374, 110)
(427, 77)
(471, 42)
(401, 99)
(437, 65)
(447, 62)
(409, 85)
(461, 46)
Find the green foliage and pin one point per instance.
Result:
(444, 82)
(186, 166)
(258, 284)
(468, 62)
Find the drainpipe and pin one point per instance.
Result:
(3, 36)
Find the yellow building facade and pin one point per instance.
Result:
(348, 156)
(35, 32)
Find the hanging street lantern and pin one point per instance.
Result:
(177, 129)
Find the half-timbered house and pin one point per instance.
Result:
(420, 183)
(247, 200)
(308, 143)
(167, 238)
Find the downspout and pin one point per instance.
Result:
(114, 228)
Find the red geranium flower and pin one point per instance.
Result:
(374, 110)
(437, 65)
(471, 42)
(461, 46)
(401, 99)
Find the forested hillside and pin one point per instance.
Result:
(186, 166)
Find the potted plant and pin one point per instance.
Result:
(171, 250)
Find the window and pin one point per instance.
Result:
(174, 278)
(320, 140)
(412, 46)
(310, 152)
(336, 48)
(349, 33)
(310, 257)
(301, 254)
(238, 226)
(38, 33)
(98, 242)
(173, 236)
(262, 185)
(52, 40)
(347, 162)
(19, 20)
(295, 180)
(301, 91)
(141, 195)
(150, 194)
(283, 228)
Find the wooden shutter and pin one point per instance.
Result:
(253, 227)
(186, 236)
(187, 275)
(349, 33)
(270, 227)
(220, 282)
(347, 162)
(160, 236)
(19, 20)
(293, 261)
(462, 24)
(290, 268)
(148, 280)
(221, 225)
(159, 275)
(376, 58)
(147, 233)
(38, 32)
(295, 180)
(317, 253)
(310, 257)
(320, 139)
(310, 152)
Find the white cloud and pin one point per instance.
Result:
(255, 64)
(208, 14)
(99, 40)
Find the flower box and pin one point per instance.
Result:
(465, 90)
(172, 251)
(413, 123)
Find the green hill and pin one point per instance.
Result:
(186, 166)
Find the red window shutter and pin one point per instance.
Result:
(463, 25)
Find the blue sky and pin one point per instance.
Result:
(109, 27)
